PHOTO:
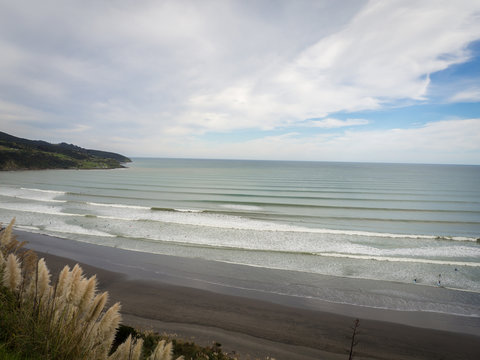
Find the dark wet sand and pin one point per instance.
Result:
(254, 325)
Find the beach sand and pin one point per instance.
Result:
(194, 299)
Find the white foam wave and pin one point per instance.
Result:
(189, 210)
(419, 250)
(400, 259)
(77, 230)
(27, 227)
(386, 235)
(119, 206)
(45, 191)
(35, 208)
(242, 223)
(32, 194)
(197, 217)
(37, 199)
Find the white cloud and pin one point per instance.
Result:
(438, 142)
(453, 141)
(386, 53)
(332, 123)
(469, 95)
(168, 72)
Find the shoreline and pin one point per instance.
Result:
(192, 297)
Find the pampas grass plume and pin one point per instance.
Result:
(109, 322)
(163, 351)
(137, 350)
(128, 350)
(6, 236)
(89, 290)
(43, 284)
(97, 306)
(104, 332)
(123, 350)
(12, 275)
(63, 282)
(74, 292)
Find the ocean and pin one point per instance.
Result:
(413, 224)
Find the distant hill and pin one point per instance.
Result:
(18, 153)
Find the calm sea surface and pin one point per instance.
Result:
(376, 221)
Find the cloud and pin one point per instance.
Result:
(357, 68)
(438, 142)
(452, 141)
(470, 95)
(332, 123)
(173, 71)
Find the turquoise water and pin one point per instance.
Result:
(392, 222)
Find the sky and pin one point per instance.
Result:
(318, 80)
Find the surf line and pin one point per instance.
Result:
(397, 259)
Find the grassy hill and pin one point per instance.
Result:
(20, 154)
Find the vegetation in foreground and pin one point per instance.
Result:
(64, 320)
(19, 154)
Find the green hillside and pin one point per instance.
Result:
(20, 154)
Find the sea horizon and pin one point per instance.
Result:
(301, 161)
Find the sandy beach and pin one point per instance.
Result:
(208, 301)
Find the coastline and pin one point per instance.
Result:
(210, 301)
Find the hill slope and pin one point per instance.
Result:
(18, 153)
